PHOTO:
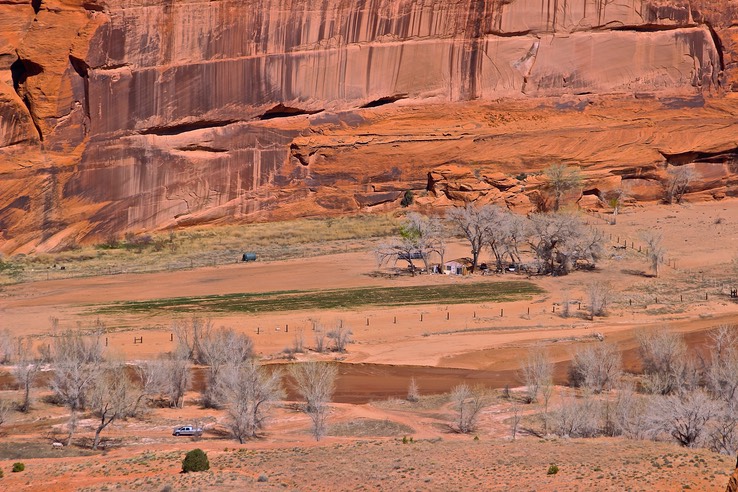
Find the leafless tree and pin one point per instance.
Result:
(6, 407)
(319, 336)
(250, 390)
(190, 334)
(628, 413)
(515, 420)
(578, 417)
(677, 183)
(468, 403)
(596, 367)
(723, 432)
(176, 378)
(420, 236)
(505, 231)
(77, 362)
(560, 241)
(26, 370)
(7, 347)
(536, 372)
(341, 337)
(655, 251)
(473, 222)
(721, 374)
(413, 393)
(561, 179)
(599, 293)
(315, 382)
(666, 366)
(151, 378)
(113, 396)
(683, 417)
(217, 349)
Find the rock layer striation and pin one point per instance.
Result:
(131, 115)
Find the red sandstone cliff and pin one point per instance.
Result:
(142, 114)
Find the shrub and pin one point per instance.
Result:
(407, 199)
(195, 461)
(1, 474)
(552, 470)
(262, 478)
(18, 467)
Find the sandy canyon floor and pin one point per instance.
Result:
(438, 344)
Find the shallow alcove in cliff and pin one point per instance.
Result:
(384, 100)
(282, 111)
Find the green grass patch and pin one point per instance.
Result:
(297, 300)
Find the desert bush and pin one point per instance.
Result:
(596, 367)
(1, 474)
(18, 467)
(552, 470)
(195, 461)
(341, 337)
(262, 478)
(5, 409)
(677, 183)
(7, 343)
(723, 432)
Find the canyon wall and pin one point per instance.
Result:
(133, 115)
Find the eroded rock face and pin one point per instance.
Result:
(120, 115)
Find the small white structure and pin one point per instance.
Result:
(459, 266)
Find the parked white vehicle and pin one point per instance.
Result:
(187, 430)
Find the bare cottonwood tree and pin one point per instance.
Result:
(176, 374)
(419, 236)
(596, 367)
(341, 337)
(683, 417)
(655, 251)
(473, 222)
(561, 179)
(628, 413)
(560, 241)
(536, 372)
(505, 231)
(599, 293)
(413, 392)
(666, 366)
(723, 432)
(578, 417)
(190, 333)
(219, 348)
(315, 382)
(113, 396)
(677, 183)
(6, 407)
(77, 362)
(249, 390)
(26, 370)
(319, 335)
(515, 420)
(7, 347)
(468, 403)
(721, 374)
